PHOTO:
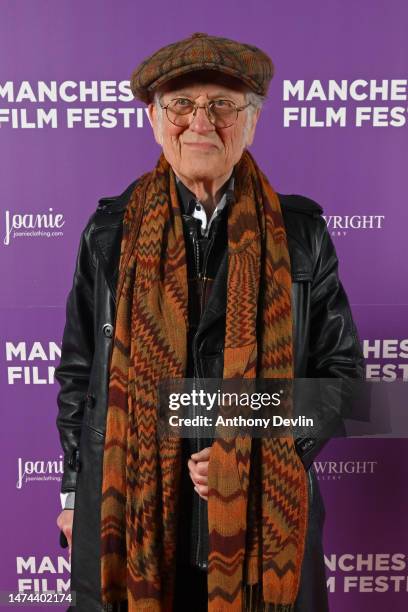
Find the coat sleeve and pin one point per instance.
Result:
(334, 348)
(75, 365)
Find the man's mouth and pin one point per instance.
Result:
(201, 145)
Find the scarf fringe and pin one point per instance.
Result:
(253, 601)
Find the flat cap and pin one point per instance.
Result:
(203, 52)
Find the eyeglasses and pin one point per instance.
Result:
(221, 113)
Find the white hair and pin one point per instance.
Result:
(159, 112)
(254, 100)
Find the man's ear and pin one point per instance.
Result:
(150, 110)
(154, 122)
(251, 131)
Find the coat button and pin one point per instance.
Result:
(307, 445)
(107, 330)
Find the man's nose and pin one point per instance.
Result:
(200, 122)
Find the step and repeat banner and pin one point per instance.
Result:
(334, 128)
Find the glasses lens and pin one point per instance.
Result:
(223, 112)
(178, 111)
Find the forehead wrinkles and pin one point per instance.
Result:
(198, 91)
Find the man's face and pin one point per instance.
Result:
(201, 151)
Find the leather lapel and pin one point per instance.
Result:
(107, 235)
(107, 242)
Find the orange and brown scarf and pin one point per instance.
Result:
(257, 514)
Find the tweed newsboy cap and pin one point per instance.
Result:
(203, 52)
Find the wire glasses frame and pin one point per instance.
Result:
(221, 113)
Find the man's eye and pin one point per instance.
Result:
(222, 104)
(182, 102)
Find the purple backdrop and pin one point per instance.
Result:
(350, 153)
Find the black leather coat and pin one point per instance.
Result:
(325, 345)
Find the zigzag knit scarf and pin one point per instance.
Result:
(257, 503)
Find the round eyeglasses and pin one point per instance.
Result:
(221, 113)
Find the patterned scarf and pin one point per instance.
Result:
(257, 503)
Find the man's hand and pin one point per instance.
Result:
(198, 467)
(64, 522)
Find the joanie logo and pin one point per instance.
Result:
(39, 470)
(339, 225)
(27, 225)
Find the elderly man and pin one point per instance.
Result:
(199, 269)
